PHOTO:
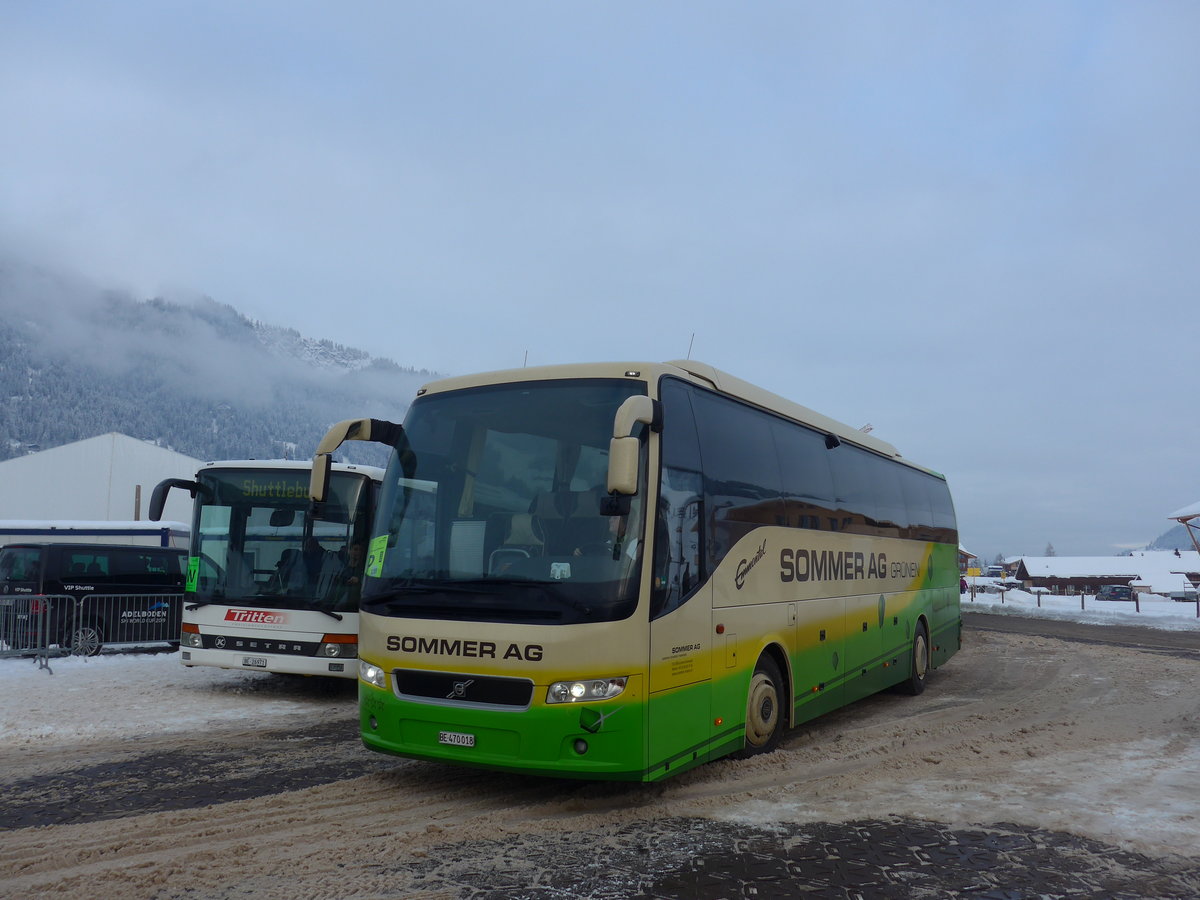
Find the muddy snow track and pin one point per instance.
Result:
(1031, 766)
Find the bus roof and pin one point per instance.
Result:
(289, 465)
(689, 370)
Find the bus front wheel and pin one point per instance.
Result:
(919, 667)
(764, 708)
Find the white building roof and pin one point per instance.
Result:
(101, 478)
(1161, 570)
(1187, 512)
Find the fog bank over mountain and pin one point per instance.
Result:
(190, 373)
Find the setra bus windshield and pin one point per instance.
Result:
(491, 509)
(256, 544)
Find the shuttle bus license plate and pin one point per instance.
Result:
(456, 739)
(259, 662)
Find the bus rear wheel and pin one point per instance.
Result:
(764, 708)
(919, 667)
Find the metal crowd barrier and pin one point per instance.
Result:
(45, 625)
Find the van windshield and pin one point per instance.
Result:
(20, 563)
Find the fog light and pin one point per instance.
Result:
(373, 723)
(581, 746)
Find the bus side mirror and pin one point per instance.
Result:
(318, 482)
(623, 456)
(624, 450)
(158, 499)
(378, 430)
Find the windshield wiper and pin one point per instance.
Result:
(483, 588)
(476, 586)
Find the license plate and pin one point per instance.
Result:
(259, 662)
(456, 739)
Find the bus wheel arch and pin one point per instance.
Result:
(767, 704)
(920, 660)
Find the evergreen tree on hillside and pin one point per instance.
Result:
(201, 379)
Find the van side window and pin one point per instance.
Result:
(145, 567)
(87, 563)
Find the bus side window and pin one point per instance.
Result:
(743, 486)
(678, 537)
(807, 480)
(676, 541)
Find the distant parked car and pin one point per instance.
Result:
(999, 585)
(1115, 592)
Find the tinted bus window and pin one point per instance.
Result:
(857, 504)
(742, 487)
(678, 568)
(807, 479)
(916, 488)
(943, 510)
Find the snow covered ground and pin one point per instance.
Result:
(1093, 740)
(129, 694)
(1151, 611)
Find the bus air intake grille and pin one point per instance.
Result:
(458, 689)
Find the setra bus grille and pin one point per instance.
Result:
(241, 644)
(453, 688)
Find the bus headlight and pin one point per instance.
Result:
(372, 675)
(585, 690)
(190, 639)
(338, 651)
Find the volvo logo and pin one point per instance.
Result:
(460, 690)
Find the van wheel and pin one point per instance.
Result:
(86, 639)
(915, 683)
(764, 709)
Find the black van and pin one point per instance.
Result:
(83, 596)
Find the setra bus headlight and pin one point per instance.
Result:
(337, 651)
(372, 675)
(585, 690)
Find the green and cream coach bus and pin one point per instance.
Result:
(620, 571)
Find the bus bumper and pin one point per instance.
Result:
(603, 740)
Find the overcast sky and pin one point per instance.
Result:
(972, 225)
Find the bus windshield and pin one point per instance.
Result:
(491, 509)
(256, 544)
